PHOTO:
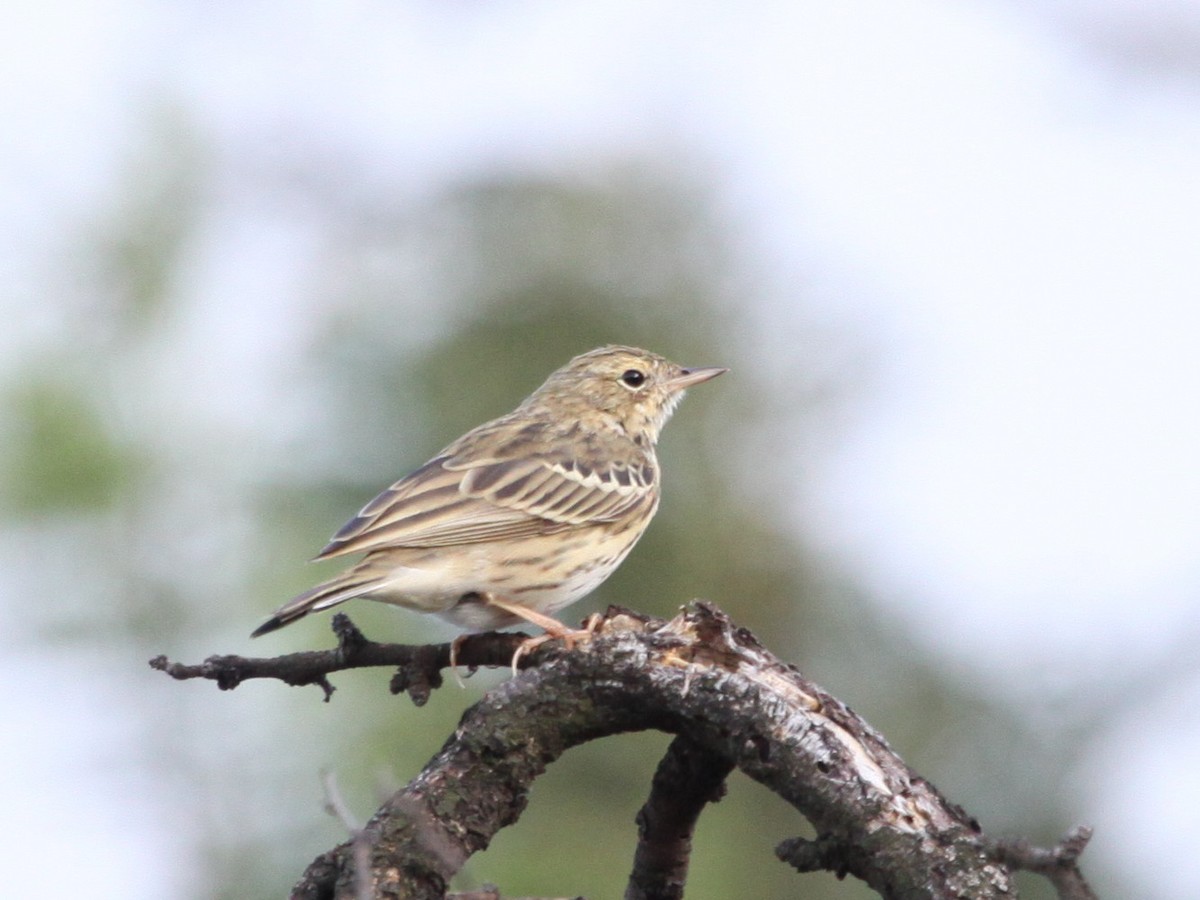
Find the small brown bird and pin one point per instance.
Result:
(524, 514)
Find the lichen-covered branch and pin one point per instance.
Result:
(731, 703)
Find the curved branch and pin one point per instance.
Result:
(700, 677)
(730, 703)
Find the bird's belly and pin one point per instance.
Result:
(544, 574)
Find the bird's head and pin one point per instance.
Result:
(631, 389)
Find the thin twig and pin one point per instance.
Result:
(419, 666)
(361, 842)
(1060, 863)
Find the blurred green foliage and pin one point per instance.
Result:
(59, 455)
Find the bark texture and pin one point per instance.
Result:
(730, 703)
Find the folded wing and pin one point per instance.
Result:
(452, 501)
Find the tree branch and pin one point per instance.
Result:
(419, 666)
(1060, 863)
(688, 779)
(730, 703)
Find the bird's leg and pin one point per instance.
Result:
(454, 647)
(555, 630)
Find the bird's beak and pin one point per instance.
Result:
(695, 375)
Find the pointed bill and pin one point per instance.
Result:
(695, 375)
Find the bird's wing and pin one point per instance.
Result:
(453, 500)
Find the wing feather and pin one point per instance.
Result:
(455, 499)
(555, 491)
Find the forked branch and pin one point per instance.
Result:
(730, 703)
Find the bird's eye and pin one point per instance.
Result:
(633, 378)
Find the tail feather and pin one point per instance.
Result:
(345, 587)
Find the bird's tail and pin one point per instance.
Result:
(348, 585)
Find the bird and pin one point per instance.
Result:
(524, 514)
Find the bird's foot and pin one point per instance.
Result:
(557, 632)
(455, 646)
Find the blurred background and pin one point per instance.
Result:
(258, 260)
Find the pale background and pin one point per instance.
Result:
(961, 236)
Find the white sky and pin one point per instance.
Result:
(1012, 219)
